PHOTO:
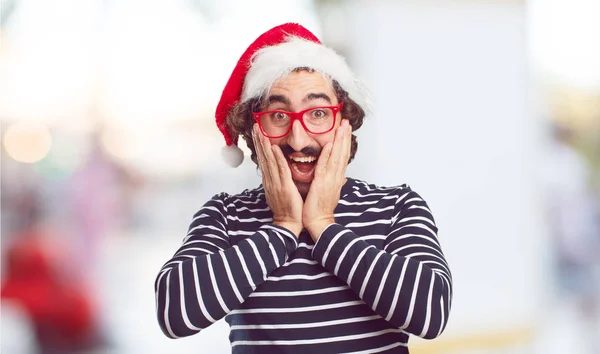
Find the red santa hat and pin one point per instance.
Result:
(271, 56)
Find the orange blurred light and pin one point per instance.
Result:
(27, 142)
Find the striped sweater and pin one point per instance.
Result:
(374, 277)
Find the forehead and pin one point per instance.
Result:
(302, 82)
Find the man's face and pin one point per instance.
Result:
(298, 91)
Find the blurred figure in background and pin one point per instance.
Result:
(572, 218)
(58, 306)
(52, 235)
(99, 196)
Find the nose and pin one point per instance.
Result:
(298, 138)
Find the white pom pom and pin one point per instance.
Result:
(233, 155)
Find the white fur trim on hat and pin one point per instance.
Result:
(274, 62)
(233, 155)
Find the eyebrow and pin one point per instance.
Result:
(278, 98)
(309, 97)
(316, 96)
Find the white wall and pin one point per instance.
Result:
(453, 118)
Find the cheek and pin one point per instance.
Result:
(322, 140)
(277, 141)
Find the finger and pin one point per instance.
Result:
(336, 152)
(345, 153)
(321, 167)
(267, 178)
(258, 149)
(269, 158)
(284, 169)
(347, 145)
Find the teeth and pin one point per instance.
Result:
(304, 159)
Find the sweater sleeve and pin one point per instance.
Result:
(208, 277)
(408, 283)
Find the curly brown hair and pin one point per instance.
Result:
(240, 120)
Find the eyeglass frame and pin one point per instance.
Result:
(297, 116)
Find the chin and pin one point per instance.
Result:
(303, 188)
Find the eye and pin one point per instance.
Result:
(318, 113)
(280, 116)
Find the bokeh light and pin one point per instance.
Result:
(119, 144)
(66, 155)
(27, 142)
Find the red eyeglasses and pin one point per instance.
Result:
(315, 120)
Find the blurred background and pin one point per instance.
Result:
(490, 109)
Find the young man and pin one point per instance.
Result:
(310, 261)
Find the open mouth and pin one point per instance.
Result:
(302, 167)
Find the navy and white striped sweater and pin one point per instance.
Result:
(374, 277)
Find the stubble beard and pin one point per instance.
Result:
(303, 188)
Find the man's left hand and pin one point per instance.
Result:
(330, 176)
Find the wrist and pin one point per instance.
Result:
(315, 228)
(292, 227)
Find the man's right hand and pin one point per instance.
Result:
(281, 193)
